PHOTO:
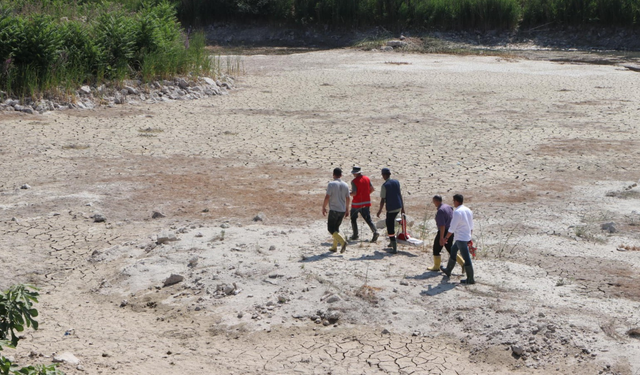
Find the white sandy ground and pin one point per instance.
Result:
(544, 153)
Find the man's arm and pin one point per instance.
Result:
(324, 205)
(346, 213)
(354, 190)
(382, 201)
(441, 231)
(371, 188)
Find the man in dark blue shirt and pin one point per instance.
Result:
(391, 196)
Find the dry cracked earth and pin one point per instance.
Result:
(547, 155)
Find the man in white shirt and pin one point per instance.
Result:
(461, 228)
(338, 199)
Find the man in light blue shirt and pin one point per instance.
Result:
(461, 228)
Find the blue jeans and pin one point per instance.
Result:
(464, 252)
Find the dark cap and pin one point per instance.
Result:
(337, 172)
(386, 171)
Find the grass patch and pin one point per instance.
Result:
(55, 46)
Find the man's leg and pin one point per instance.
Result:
(452, 260)
(341, 240)
(354, 223)
(464, 251)
(366, 215)
(333, 228)
(437, 248)
(391, 230)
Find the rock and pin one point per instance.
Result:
(386, 332)
(166, 237)
(282, 299)
(157, 215)
(396, 43)
(99, 218)
(386, 49)
(182, 83)
(124, 303)
(609, 227)
(209, 81)
(332, 299)
(66, 357)
(131, 90)
(272, 247)
(85, 90)
(240, 315)
(259, 217)
(193, 262)
(199, 235)
(173, 279)
(25, 187)
(517, 350)
(333, 317)
(404, 282)
(24, 109)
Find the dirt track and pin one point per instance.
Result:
(544, 153)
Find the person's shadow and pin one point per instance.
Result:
(443, 286)
(425, 276)
(377, 255)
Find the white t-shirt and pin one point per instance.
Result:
(338, 191)
(461, 223)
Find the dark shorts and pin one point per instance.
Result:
(437, 249)
(334, 221)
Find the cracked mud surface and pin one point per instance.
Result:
(545, 153)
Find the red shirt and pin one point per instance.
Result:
(361, 185)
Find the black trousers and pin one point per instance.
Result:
(391, 225)
(437, 248)
(334, 221)
(366, 215)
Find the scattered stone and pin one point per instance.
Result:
(240, 315)
(209, 81)
(199, 235)
(517, 350)
(124, 303)
(259, 217)
(157, 215)
(99, 218)
(182, 83)
(272, 247)
(404, 282)
(66, 357)
(25, 187)
(634, 332)
(173, 279)
(282, 299)
(85, 90)
(333, 298)
(193, 262)
(386, 332)
(609, 227)
(333, 317)
(224, 226)
(166, 237)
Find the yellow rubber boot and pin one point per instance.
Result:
(460, 262)
(436, 263)
(340, 240)
(334, 247)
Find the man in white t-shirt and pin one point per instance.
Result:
(338, 199)
(461, 228)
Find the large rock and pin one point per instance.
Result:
(609, 227)
(99, 218)
(182, 83)
(173, 279)
(85, 90)
(260, 217)
(131, 90)
(517, 350)
(209, 81)
(166, 237)
(396, 43)
(66, 357)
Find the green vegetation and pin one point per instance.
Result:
(56, 45)
(16, 312)
(441, 14)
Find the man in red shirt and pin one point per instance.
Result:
(361, 189)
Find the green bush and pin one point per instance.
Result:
(101, 41)
(16, 313)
